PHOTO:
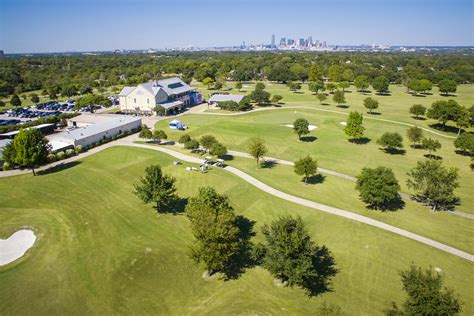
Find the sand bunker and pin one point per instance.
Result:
(343, 123)
(310, 127)
(16, 245)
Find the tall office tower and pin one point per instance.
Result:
(324, 44)
(273, 40)
(290, 42)
(301, 42)
(310, 41)
(316, 43)
(283, 41)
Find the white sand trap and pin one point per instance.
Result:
(437, 269)
(16, 245)
(343, 123)
(310, 127)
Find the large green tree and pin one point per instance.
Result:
(301, 127)
(447, 86)
(417, 110)
(445, 111)
(92, 100)
(306, 167)
(339, 97)
(354, 128)
(391, 141)
(214, 226)
(156, 187)
(432, 145)
(426, 295)
(15, 100)
(257, 148)
(371, 104)
(434, 183)
(380, 84)
(207, 141)
(28, 149)
(465, 142)
(415, 135)
(378, 187)
(294, 258)
(361, 83)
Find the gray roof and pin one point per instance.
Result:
(4, 142)
(226, 97)
(33, 127)
(90, 130)
(169, 105)
(126, 91)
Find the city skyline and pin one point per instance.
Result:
(33, 26)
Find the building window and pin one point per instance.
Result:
(148, 101)
(134, 100)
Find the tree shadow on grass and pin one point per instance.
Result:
(416, 146)
(360, 141)
(316, 179)
(268, 164)
(324, 103)
(394, 151)
(243, 258)
(175, 207)
(342, 106)
(434, 157)
(445, 128)
(390, 206)
(308, 139)
(462, 153)
(57, 168)
(374, 113)
(325, 265)
(419, 118)
(227, 157)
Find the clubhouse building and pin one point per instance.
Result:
(172, 94)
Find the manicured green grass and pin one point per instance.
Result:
(392, 107)
(330, 145)
(102, 251)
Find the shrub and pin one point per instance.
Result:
(70, 152)
(51, 158)
(192, 144)
(60, 155)
(184, 139)
(6, 166)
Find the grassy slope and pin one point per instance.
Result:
(330, 147)
(100, 250)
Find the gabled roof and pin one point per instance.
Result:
(173, 86)
(126, 91)
(226, 97)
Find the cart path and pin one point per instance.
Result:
(318, 206)
(129, 141)
(323, 110)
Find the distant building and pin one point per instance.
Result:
(301, 42)
(46, 128)
(172, 94)
(1, 53)
(283, 41)
(273, 41)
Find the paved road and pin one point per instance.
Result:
(325, 110)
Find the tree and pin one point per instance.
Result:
(378, 187)
(335, 72)
(301, 127)
(425, 85)
(465, 142)
(331, 87)
(321, 97)
(447, 86)
(53, 96)
(380, 84)
(158, 135)
(155, 187)
(292, 257)
(260, 96)
(417, 110)
(276, 98)
(348, 75)
(184, 138)
(214, 226)
(316, 86)
(371, 104)
(257, 148)
(361, 83)
(207, 141)
(238, 85)
(92, 100)
(29, 149)
(160, 110)
(415, 135)
(344, 85)
(208, 81)
(294, 86)
(145, 133)
(315, 73)
(69, 90)
(463, 119)
(426, 295)
(432, 145)
(391, 141)
(414, 85)
(354, 128)
(444, 111)
(86, 90)
(218, 85)
(434, 184)
(259, 86)
(34, 98)
(306, 167)
(15, 100)
(218, 150)
(2, 104)
(339, 97)
(191, 144)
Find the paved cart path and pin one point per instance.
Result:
(129, 141)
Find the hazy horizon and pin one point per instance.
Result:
(34, 26)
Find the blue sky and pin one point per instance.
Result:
(84, 25)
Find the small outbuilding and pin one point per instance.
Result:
(216, 98)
